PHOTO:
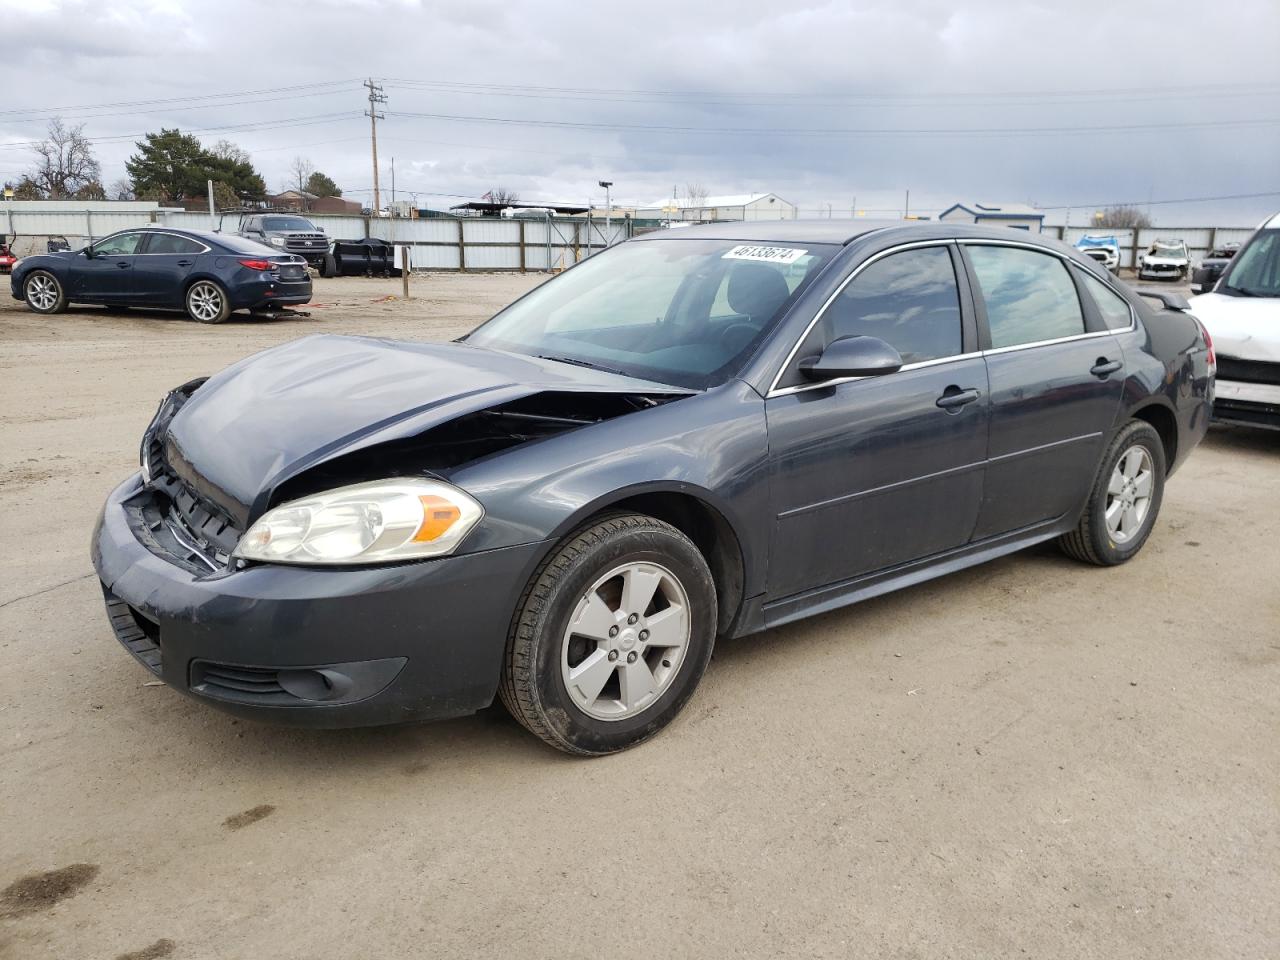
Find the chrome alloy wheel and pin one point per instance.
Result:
(1129, 494)
(42, 292)
(625, 641)
(204, 300)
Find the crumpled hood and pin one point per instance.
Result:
(271, 416)
(1247, 328)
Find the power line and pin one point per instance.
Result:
(253, 125)
(794, 99)
(183, 107)
(837, 131)
(1166, 91)
(14, 111)
(1145, 202)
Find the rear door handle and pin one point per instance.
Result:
(953, 398)
(123, 264)
(185, 263)
(1104, 367)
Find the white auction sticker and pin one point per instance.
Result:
(764, 254)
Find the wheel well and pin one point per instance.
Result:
(1163, 422)
(710, 533)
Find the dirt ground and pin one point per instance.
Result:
(1029, 759)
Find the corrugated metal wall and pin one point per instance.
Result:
(479, 243)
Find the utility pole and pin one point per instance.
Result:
(608, 211)
(393, 184)
(376, 96)
(906, 208)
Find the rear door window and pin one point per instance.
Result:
(169, 243)
(1029, 295)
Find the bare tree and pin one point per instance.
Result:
(226, 150)
(1124, 217)
(121, 189)
(300, 171)
(504, 196)
(695, 194)
(65, 164)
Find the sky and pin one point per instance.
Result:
(1063, 105)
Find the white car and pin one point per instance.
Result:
(1165, 260)
(1242, 315)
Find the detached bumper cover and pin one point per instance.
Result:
(316, 647)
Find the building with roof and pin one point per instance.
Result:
(739, 206)
(303, 202)
(1020, 216)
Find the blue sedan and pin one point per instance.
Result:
(207, 274)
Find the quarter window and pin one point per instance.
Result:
(121, 245)
(1029, 295)
(910, 300)
(1113, 307)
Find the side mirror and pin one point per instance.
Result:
(88, 252)
(852, 357)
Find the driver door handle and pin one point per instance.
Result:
(1104, 367)
(123, 264)
(953, 398)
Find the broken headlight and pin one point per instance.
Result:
(378, 522)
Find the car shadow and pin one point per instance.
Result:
(240, 318)
(492, 737)
(1242, 439)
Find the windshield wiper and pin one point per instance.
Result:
(1245, 292)
(574, 361)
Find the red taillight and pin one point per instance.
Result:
(1208, 342)
(257, 264)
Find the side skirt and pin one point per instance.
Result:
(760, 615)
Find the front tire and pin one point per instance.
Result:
(43, 292)
(207, 302)
(611, 636)
(1125, 499)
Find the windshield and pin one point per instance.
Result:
(1167, 250)
(1255, 270)
(288, 223)
(685, 312)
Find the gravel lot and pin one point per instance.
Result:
(1032, 758)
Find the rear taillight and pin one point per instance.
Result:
(257, 264)
(1208, 342)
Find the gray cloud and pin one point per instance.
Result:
(920, 65)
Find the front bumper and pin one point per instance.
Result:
(1249, 404)
(311, 646)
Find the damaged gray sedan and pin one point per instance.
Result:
(694, 435)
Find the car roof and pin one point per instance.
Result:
(842, 231)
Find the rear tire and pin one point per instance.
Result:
(43, 292)
(631, 670)
(207, 302)
(1125, 499)
(328, 266)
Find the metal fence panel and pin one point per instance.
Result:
(490, 231)
(494, 258)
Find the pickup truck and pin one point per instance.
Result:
(289, 233)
